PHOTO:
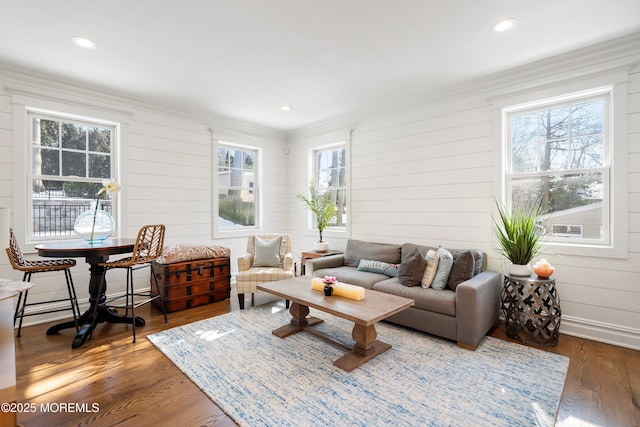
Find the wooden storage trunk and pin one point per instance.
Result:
(191, 283)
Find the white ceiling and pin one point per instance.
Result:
(326, 58)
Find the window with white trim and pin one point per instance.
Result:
(558, 152)
(68, 159)
(238, 187)
(330, 175)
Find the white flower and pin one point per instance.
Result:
(109, 186)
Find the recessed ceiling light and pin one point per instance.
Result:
(285, 108)
(504, 25)
(84, 42)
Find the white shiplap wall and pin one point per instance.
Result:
(428, 173)
(424, 173)
(166, 172)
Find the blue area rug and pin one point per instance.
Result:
(259, 379)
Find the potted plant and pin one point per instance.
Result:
(324, 210)
(519, 237)
(329, 281)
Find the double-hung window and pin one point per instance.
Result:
(238, 187)
(558, 154)
(69, 158)
(330, 170)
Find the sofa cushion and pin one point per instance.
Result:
(357, 250)
(185, 252)
(352, 276)
(412, 268)
(372, 266)
(462, 269)
(407, 248)
(430, 269)
(478, 258)
(267, 252)
(443, 302)
(445, 263)
(478, 255)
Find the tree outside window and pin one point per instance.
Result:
(237, 187)
(559, 156)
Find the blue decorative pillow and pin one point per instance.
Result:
(380, 267)
(445, 263)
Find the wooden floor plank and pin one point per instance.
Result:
(135, 384)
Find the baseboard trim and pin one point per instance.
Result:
(607, 333)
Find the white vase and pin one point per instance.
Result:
(321, 246)
(519, 270)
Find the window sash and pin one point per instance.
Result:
(248, 190)
(325, 173)
(55, 220)
(514, 176)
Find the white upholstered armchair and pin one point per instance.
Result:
(268, 259)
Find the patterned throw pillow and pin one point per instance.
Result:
(380, 267)
(267, 252)
(185, 252)
(445, 263)
(430, 271)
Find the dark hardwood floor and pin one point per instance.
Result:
(135, 385)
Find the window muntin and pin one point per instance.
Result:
(330, 166)
(68, 160)
(238, 189)
(558, 154)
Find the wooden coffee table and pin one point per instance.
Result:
(364, 313)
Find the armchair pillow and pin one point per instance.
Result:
(267, 252)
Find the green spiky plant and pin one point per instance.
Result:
(321, 205)
(517, 233)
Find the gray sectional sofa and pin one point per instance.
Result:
(464, 315)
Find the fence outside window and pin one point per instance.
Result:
(55, 217)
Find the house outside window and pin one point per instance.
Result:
(238, 187)
(558, 154)
(330, 175)
(68, 160)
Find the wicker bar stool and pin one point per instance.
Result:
(148, 247)
(30, 267)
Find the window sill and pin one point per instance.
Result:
(597, 251)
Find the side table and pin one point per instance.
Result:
(531, 308)
(314, 254)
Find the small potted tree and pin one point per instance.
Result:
(323, 209)
(519, 237)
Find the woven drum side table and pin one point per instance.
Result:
(531, 308)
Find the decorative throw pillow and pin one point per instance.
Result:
(445, 263)
(462, 269)
(380, 267)
(412, 268)
(431, 268)
(267, 252)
